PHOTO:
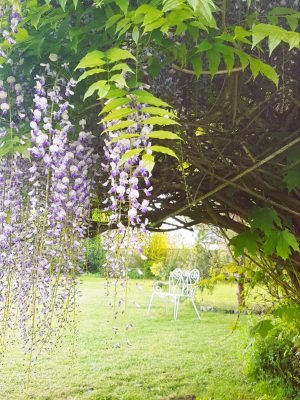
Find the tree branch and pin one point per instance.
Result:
(221, 72)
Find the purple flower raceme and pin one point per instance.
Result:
(13, 183)
(11, 15)
(128, 186)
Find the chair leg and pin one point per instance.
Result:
(174, 310)
(178, 301)
(150, 303)
(195, 307)
(176, 306)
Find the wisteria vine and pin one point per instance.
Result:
(44, 210)
(45, 200)
(48, 171)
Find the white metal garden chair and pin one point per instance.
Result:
(182, 284)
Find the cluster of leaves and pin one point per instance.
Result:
(187, 32)
(164, 23)
(122, 98)
(95, 255)
(265, 233)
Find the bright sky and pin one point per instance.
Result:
(181, 237)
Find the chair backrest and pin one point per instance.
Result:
(182, 282)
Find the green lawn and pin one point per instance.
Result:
(184, 359)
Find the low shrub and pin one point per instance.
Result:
(95, 255)
(275, 349)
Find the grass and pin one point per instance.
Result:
(184, 359)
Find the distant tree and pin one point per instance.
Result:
(95, 254)
(209, 253)
(158, 248)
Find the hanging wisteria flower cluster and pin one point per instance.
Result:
(44, 209)
(129, 188)
(10, 20)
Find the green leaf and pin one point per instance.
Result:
(143, 9)
(269, 72)
(273, 43)
(197, 64)
(148, 162)
(102, 91)
(286, 240)
(293, 39)
(62, 3)
(170, 5)
(145, 97)
(124, 30)
(258, 34)
(244, 59)
(203, 8)
(154, 25)
(254, 66)
(128, 155)
(21, 35)
(118, 78)
(246, 240)
(124, 136)
(176, 17)
(199, 25)
(180, 54)
(265, 219)
(123, 23)
(135, 34)
(157, 111)
(160, 121)
(273, 19)
(115, 92)
(101, 87)
(284, 11)
(204, 46)
(149, 99)
(164, 150)
(123, 4)
(258, 66)
(118, 114)
(262, 328)
(112, 20)
(214, 59)
(92, 59)
(194, 32)
(152, 15)
(164, 135)
(111, 105)
(292, 21)
(115, 54)
(292, 178)
(241, 34)
(269, 245)
(122, 66)
(35, 18)
(90, 72)
(75, 3)
(228, 54)
(119, 126)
